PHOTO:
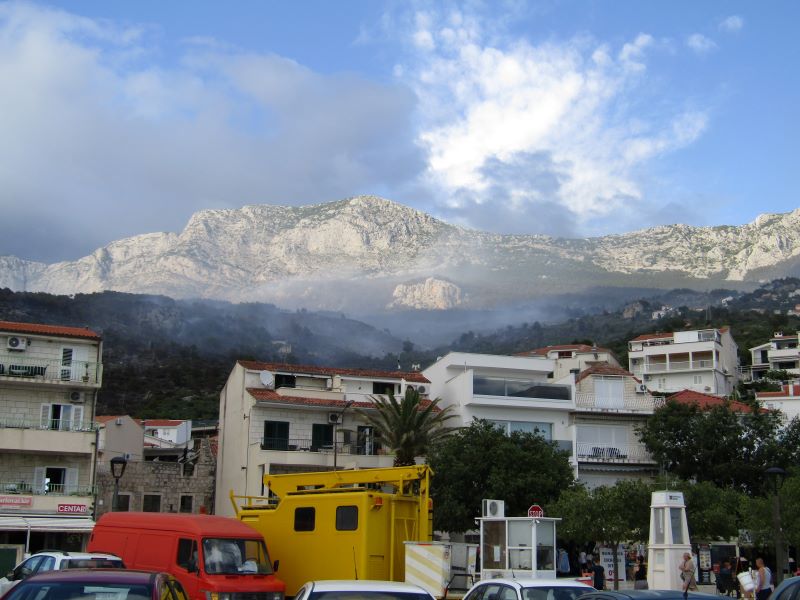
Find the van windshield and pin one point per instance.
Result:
(228, 556)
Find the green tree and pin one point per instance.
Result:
(712, 512)
(612, 515)
(481, 461)
(408, 426)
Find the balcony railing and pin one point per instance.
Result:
(25, 486)
(675, 365)
(626, 402)
(22, 367)
(613, 453)
(363, 448)
(48, 424)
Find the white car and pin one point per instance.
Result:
(54, 561)
(527, 589)
(361, 589)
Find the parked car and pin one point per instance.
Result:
(98, 584)
(49, 560)
(362, 589)
(528, 589)
(788, 589)
(645, 595)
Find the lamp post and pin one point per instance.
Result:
(776, 475)
(118, 464)
(347, 405)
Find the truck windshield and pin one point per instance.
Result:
(228, 556)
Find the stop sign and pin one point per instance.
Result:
(535, 511)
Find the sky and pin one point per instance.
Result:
(564, 118)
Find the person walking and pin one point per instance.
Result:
(763, 580)
(640, 574)
(687, 574)
(599, 574)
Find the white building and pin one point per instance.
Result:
(573, 358)
(787, 400)
(781, 353)
(282, 418)
(703, 360)
(49, 378)
(172, 431)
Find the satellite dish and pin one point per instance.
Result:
(267, 379)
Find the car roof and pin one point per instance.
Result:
(364, 585)
(125, 576)
(532, 582)
(202, 525)
(78, 555)
(653, 594)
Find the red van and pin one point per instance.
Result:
(214, 558)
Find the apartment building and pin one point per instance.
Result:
(517, 393)
(703, 360)
(573, 358)
(781, 353)
(49, 378)
(282, 418)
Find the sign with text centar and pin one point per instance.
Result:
(73, 509)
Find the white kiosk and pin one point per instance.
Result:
(518, 547)
(669, 539)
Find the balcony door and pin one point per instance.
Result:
(74, 362)
(321, 437)
(55, 480)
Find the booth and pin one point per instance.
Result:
(518, 547)
(669, 540)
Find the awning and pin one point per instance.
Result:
(65, 524)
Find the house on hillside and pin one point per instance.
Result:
(703, 360)
(787, 400)
(572, 358)
(283, 418)
(49, 378)
(780, 353)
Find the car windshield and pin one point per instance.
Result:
(368, 595)
(553, 592)
(228, 556)
(78, 591)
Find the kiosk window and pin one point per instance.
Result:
(304, 519)
(346, 518)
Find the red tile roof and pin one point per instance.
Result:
(707, 401)
(787, 391)
(55, 330)
(162, 422)
(576, 347)
(603, 369)
(266, 395)
(413, 376)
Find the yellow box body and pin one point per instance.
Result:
(352, 526)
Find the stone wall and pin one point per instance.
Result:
(163, 482)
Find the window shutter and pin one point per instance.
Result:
(77, 418)
(38, 479)
(44, 419)
(66, 417)
(66, 364)
(71, 481)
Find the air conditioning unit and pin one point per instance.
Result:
(422, 389)
(334, 417)
(76, 397)
(17, 343)
(646, 377)
(641, 388)
(493, 508)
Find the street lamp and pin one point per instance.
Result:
(118, 464)
(347, 405)
(776, 475)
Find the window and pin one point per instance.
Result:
(276, 435)
(288, 381)
(186, 504)
(544, 430)
(321, 436)
(519, 388)
(124, 503)
(698, 379)
(677, 525)
(367, 440)
(382, 388)
(187, 554)
(151, 503)
(304, 518)
(609, 392)
(63, 417)
(346, 518)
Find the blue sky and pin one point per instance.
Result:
(553, 117)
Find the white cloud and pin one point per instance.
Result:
(732, 24)
(700, 43)
(100, 142)
(530, 128)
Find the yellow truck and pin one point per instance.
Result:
(348, 524)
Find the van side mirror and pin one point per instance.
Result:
(275, 565)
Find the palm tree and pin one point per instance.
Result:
(407, 426)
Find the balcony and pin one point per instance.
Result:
(626, 403)
(520, 389)
(600, 452)
(784, 354)
(27, 487)
(50, 436)
(362, 448)
(678, 365)
(36, 370)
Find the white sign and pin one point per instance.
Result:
(607, 560)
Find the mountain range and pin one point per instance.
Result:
(373, 255)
